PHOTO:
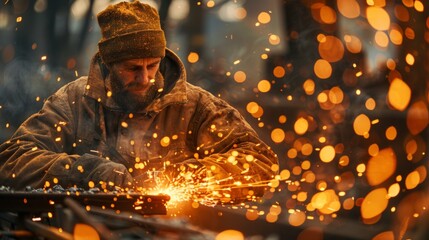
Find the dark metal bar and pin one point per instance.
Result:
(16, 234)
(64, 218)
(142, 221)
(45, 231)
(36, 202)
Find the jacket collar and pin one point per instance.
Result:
(171, 68)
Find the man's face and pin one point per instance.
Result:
(133, 82)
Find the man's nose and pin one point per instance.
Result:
(143, 75)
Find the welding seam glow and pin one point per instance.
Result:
(206, 192)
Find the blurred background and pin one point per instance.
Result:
(338, 88)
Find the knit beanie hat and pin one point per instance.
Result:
(130, 31)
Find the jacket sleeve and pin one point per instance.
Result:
(236, 159)
(35, 155)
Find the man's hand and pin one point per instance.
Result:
(111, 174)
(100, 171)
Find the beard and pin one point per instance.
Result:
(130, 101)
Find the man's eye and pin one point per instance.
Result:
(132, 69)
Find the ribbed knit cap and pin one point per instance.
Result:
(130, 31)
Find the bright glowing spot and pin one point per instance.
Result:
(348, 8)
(362, 125)
(353, 44)
(327, 153)
(422, 173)
(361, 168)
(417, 117)
(284, 174)
(327, 202)
(211, 3)
(348, 204)
(374, 203)
(328, 15)
(409, 59)
(239, 76)
(309, 86)
(378, 18)
(109, 93)
(391, 64)
(336, 95)
(401, 13)
(381, 39)
(322, 69)
(344, 161)
(358, 74)
(370, 104)
(418, 5)
(252, 107)
(251, 214)
(296, 170)
(412, 180)
(381, 166)
(297, 218)
(264, 17)
(302, 196)
(391, 133)
(373, 149)
(271, 218)
(411, 147)
(395, 36)
(230, 235)
(358, 92)
(279, 72)
(306, 164)
(408, 3)
(301, 126)
(394, 190)
(306, 149)
(388, 235)
(399, 94)
(331, 49)
(277, 135)
(274, 167)
(309, 176)
(82, 231)
(292, 153)
(274, 39)
(193, 57)
(264, 86)
(409, 33)
(165, 141)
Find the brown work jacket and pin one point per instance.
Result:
(184, 123)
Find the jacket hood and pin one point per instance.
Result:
(171, 68)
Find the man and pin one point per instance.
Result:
(132, 115)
